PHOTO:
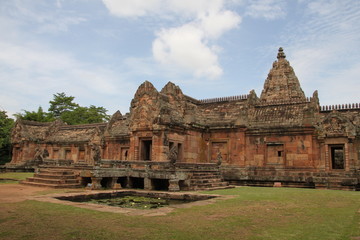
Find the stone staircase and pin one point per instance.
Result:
(208, 180)
(336, 183)
(54, 178)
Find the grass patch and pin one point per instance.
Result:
(14, 177)
(254, 213)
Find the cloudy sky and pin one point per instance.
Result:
(100, 51)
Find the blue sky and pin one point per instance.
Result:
(100, 51)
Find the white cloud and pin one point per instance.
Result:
(189, 46)
(132, 8)
(268, 9)
(184, 47)
(216, 23)
(138, 8)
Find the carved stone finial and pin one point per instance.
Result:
(281, 53)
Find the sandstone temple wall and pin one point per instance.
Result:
(280, 137)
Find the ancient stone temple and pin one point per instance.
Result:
(170, 141)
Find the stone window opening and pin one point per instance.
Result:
(68, 154)
(275, 153)
(180, 152)
(337, 157)
(55, 154)
(124, 151)
(81, 153)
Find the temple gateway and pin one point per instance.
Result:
(170, 141)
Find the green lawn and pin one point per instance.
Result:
(18, 176)
(254, 213)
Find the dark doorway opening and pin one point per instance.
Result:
(123, 181)
(106, 182)
(146, 150)
(337, 157)
(85, 181)
(136, 182)
(160, 184)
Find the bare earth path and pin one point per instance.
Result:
(17, 192)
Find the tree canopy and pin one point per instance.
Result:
(6, 125)
(63, 107)
(61, 104)
(39, 116)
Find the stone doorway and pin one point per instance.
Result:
(337, 157)
(146, 149)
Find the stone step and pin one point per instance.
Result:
(213, 184)
(199, 181)
(51, 185)
(56, 171)
(52, 181)
(210, 186)
(334, 180)
(207, 177)
(48, 175)
(217, 173)
(55, 178)
(216, 188)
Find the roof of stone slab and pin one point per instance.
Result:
(72, 135)
(287, 115)
(117, 126)
(30, 130)
(55, 131)
(221, 112)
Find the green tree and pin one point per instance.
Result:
(62, 107)
(61, 104)
(85, 115)
(6, 124)
(39, 116)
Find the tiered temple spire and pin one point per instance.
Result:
(282, 83)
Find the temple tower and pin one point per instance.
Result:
(282, 83)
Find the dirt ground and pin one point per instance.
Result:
(17, 192)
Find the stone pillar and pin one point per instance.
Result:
(174, 185)
(327, 158)
(113, 183)
(147, 184)
(96, 183)
(347, 157)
